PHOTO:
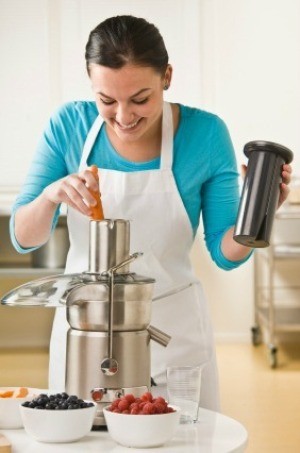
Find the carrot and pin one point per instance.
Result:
(97, 210)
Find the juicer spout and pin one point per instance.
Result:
(159, 336)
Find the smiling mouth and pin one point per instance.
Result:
(128, 126)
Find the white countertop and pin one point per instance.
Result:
(213, 433)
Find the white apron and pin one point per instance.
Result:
(161, 229)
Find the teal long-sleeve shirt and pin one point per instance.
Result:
(204, 167)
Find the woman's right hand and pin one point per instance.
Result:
(74, 190)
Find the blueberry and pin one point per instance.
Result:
(58, 401)
(72, 406)
(90, 404)
(26, 404)
(50, 406)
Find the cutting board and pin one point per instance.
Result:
(5, 445)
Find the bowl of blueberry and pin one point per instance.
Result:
(57, 417)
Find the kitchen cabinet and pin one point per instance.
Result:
(277, 287)
(14, 264)
(21, 326)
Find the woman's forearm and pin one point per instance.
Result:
(231, 249)
(33, 222)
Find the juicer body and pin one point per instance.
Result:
(108, 343)
(84, 376)
(88, 306)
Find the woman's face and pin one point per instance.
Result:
(129, 99)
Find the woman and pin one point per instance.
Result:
(161, 165)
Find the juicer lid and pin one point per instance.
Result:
(52, 291)
(262, 145)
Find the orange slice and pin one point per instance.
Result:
(6, 393)
(21, 392)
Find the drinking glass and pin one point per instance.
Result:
(184, 387)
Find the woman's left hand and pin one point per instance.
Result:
(286, 175)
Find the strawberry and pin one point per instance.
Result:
(130, 398)
(123, 404)
(148, 409)
(147, 397)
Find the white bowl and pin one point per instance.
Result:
(10, 416)
(68, 425)
(142, 431)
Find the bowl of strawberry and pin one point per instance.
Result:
(141, 422)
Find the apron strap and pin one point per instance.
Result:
(166, 155)
(90, 140)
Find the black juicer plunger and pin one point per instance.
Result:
(260, 192)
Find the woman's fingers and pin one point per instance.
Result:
(286, 176)
(75, 191)
(75, 199)
(79, 186)
(286, 173)
(284, 191)
(90, 179)
(243, 170)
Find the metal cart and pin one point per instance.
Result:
(274, 312)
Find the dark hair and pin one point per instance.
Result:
(126, 39)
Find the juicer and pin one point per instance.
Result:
(108, 309)
(108, 343)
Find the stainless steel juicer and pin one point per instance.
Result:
(108, 344)
(108, 309)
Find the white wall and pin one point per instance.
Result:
(177, 21)
(24, 87)
(237, 58)
(251, 69)
(250, 66)
(42, 45)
